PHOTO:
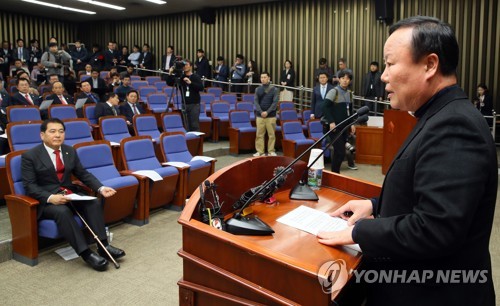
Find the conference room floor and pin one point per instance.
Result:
(151, 269)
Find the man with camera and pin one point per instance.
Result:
(190, 85)
(53, 60)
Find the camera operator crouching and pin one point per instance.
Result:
(190, 85)
(53, 60)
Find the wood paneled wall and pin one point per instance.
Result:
(14, 26)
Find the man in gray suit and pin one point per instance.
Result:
(46, 171)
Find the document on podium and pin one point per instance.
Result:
(313, 221)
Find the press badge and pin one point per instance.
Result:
(289, 77)
(187, 93)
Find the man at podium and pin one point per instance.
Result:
(428, 232)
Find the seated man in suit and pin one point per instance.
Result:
(97, 83)
(23, 95)
(57, 97)
(130, 108)
(86, 93)
(108, 108)
(47, 178)
(124, 88)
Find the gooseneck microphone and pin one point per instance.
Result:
(254, 226)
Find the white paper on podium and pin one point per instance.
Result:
(45, 104)
(196, 133)
(203, 158)
(80, 102)
(313, 221)
(67, 253)
(77, 197)
(176, 164)
(150, 173)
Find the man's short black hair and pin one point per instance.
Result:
(133, 90)
(171, 47)
(22, 79)
(374, 63)
(200, 50)
(126, 76)
(52, 44)
(324, 73)
(431, 35)
(220, 58)
(266, 73)
(17, 60)
(45, 123)
(240, 56)
(322, 61)
(345, 72)
(131, 65)
(85, 82)
(20, 39)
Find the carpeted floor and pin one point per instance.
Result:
(151, 269)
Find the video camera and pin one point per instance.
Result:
(178, 65)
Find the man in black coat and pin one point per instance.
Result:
(108, 108)
(319, 95)
(435, 212)
(373, 87)
(23, 97)
(47, 171)
(146, 60)
(202, 66)
(80, 56)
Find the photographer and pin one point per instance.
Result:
(190, 85)
(53, 60)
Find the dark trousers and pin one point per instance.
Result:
(338, 153)
(193, 117)
(63, 215)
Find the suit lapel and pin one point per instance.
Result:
(44, 157)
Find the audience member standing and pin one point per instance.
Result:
(5, 58)
(53, 60)
(238, 74)
(484, 102)
(323, 68)
(146, 60)
(191, 86)
(168, 61)
(318, 96)
(252, 76)
(221, 73)
(202, 66)
(79, 56)
(266, 103)
(342, 65)
(35, 53)
(373, 88)
(134, 56)
(288, 74)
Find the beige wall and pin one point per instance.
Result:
(302, 31)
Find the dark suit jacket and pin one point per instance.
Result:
(164, 59)
(56, 100)
(202, 67)
(223, 74)
(126, 111)
(109, 57)
(7, 55)
(5, 99)
(379, 87)
(317, 100)
(40, 178)
(289, 77)
(103, 109)
(26, 54)
(148, 60)
(83, 56)
(18, 99)
(436, 208)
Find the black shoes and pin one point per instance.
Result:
(97, 262)
(115, 252)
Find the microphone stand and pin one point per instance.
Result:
(240, 225)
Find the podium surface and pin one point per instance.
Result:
(220, 268)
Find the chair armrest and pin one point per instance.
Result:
(21, 200)
(130, 172)
(84, 187)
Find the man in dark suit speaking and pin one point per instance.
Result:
(435, 212)
(46, 172)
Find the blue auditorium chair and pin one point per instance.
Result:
(89, 114)
(145, 125)
(127, 204)
(220, 119)
(205, 121)
(157, 102)
(315, 128)
(306, 116)
(153, 79)
(114, 129)
(23, 113)
(23, 136)
(77, 131)
(23, 216)
(248, 97)
(62, 112)
(294, 142)
(241, 132)
(172, 123)
(145, 91)
(138, 153)
(290, 115)
(217, 91)
(159, 85)
(230, 98)
(249, 107)
(207, 98)
(174, 149)
(136, 84)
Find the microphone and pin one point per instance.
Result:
(254, 226)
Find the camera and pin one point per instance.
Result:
(179, 67)
(350, 147)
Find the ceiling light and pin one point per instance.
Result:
(111, 6)
(60, 7)
(157, 1)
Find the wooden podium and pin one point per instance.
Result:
(397, 127)
(220, 268)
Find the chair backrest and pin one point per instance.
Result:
(172, 123)
(217, 91)
(83, 77)
(20, 113)
(239, 119)
(62, 112)
(144, 91)
(145, 125)
(77, 131)
(286, 105)
(288, 115)
(248, 97)
(135, 78)
(96, 157)
(104, 74)
(113, 128)
(89, 113)
(157, 101)
(220, 110)
(14, 174)
(292, 130)
(306, 116)
(139, 153)
(23, 136)
(45, 88)
(246, 106)
(231, 98)
(159, 85)
(315, 129)
(153, 79)
(167, 90)
(137, 84)
(174, 148)
(203, 111)
(207, 98)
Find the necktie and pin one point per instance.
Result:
(28, 99)
(91, 97)
(114, 110)
(21, 53)
(78, 49)
(59, 165)
(136, 111)
(323, 89)
(63, 101)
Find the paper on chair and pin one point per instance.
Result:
(314, 221)
(67, 253)
(114, 144)
(80, 103)
(150, 173)
(196, 133)
(77, 197)
(203, 158)
(176, 164)
(45, 104)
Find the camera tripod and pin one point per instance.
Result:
(182, 105)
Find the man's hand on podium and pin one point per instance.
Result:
(354, 210)
(342, 237)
